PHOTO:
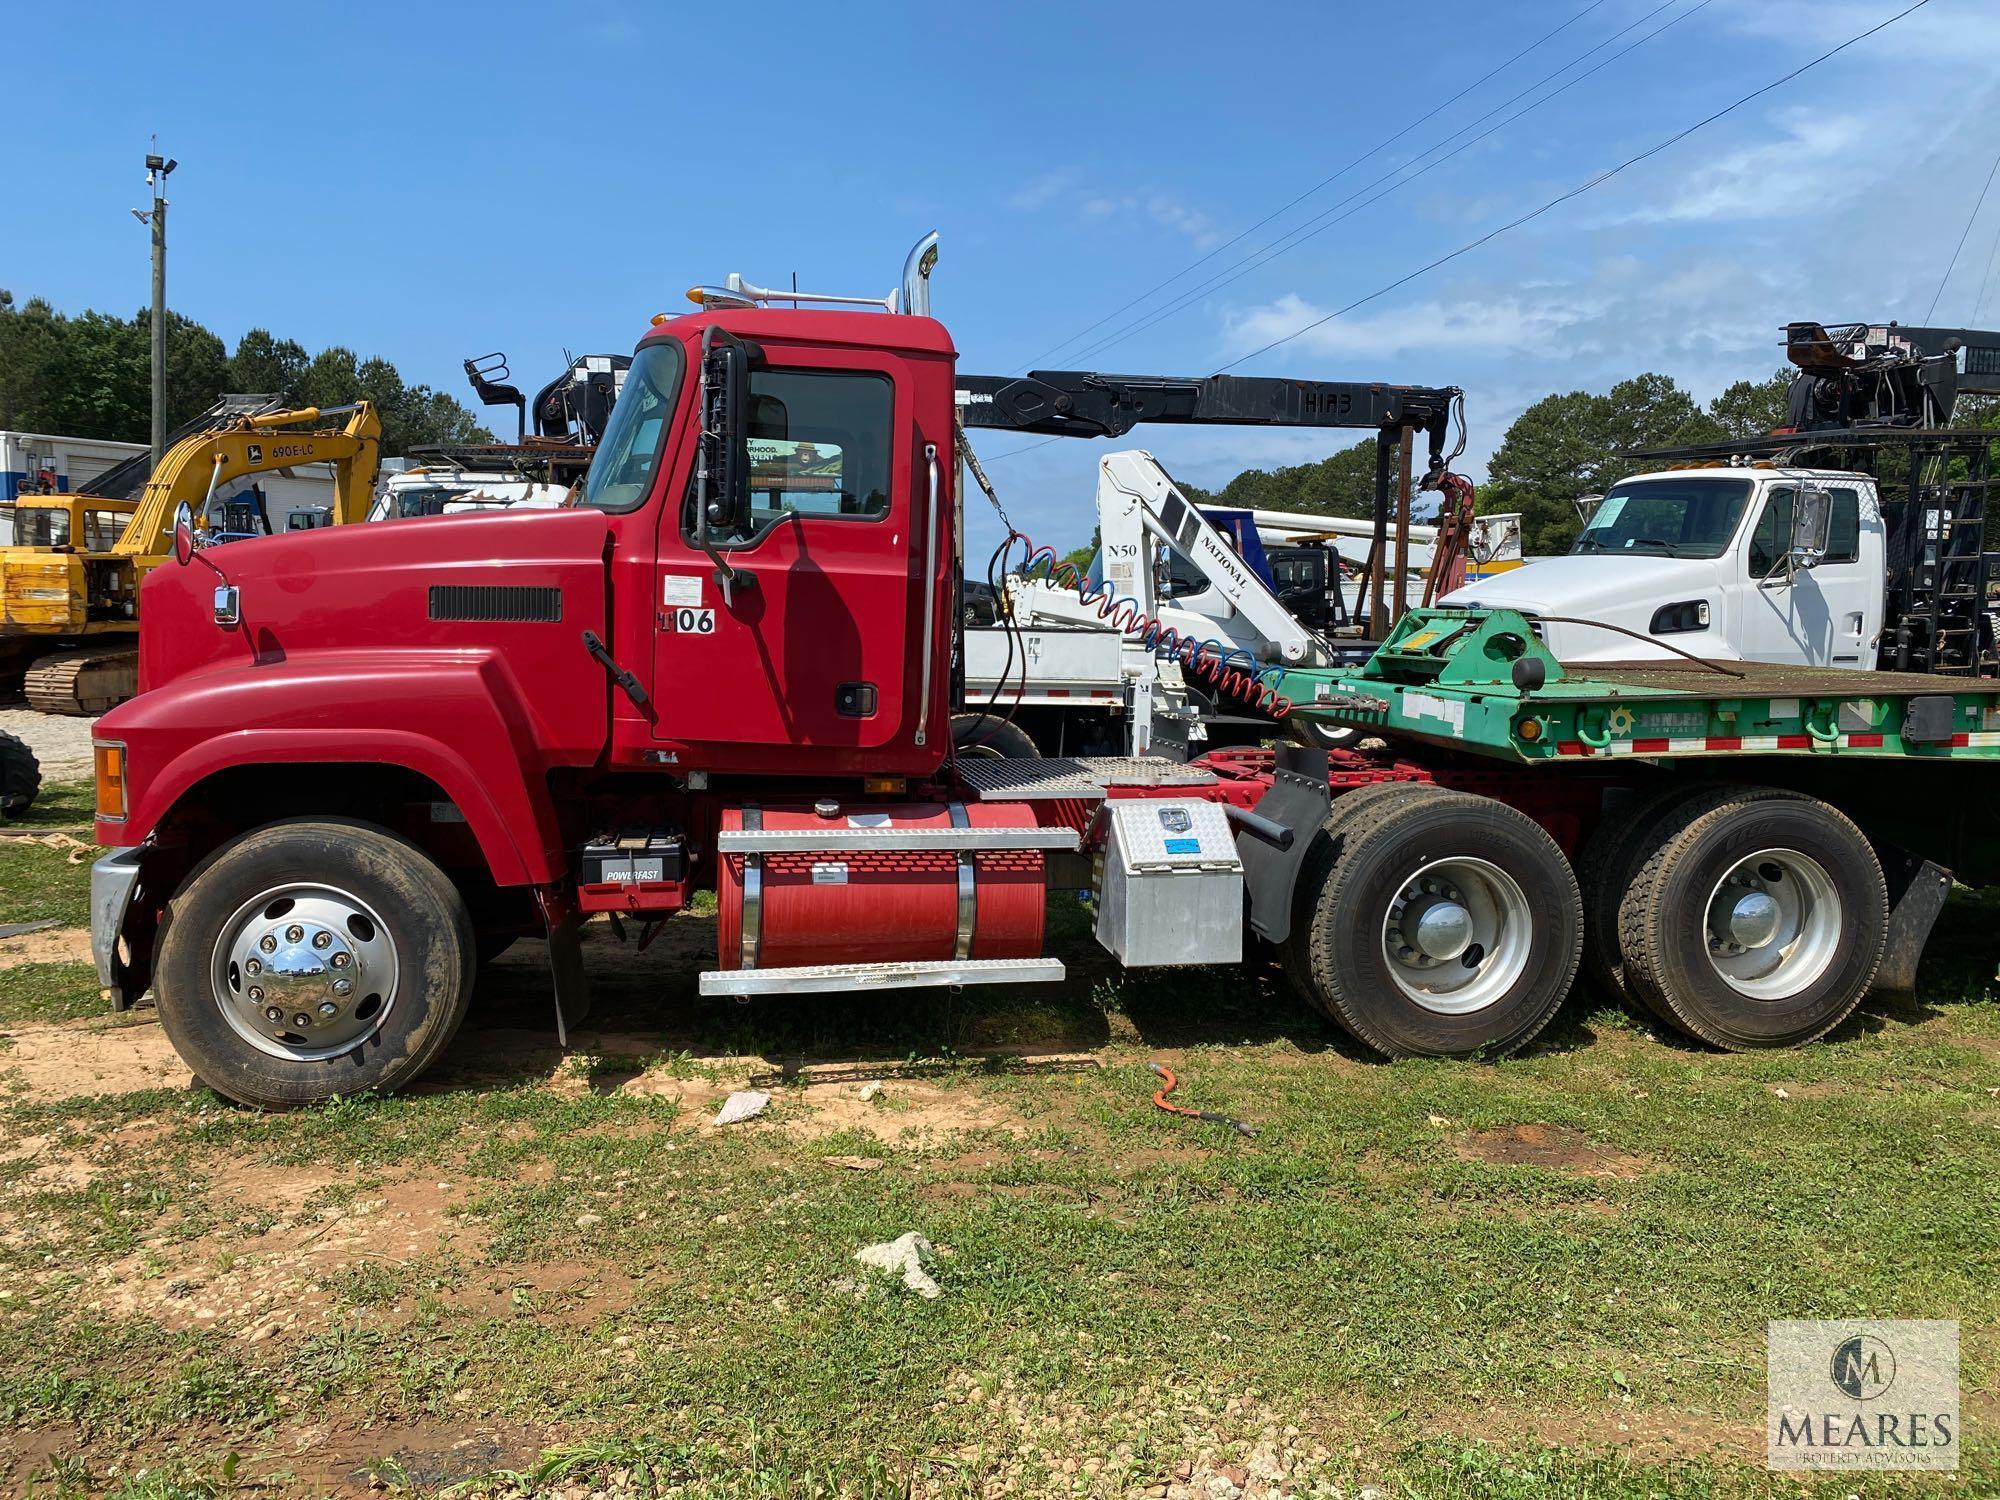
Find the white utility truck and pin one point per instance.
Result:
(1704, 559)
(1854, 537)
(446, 490)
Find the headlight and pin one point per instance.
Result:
(110, 758)
(1678, 619)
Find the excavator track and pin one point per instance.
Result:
(83, 683)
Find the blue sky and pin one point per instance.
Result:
(433, 181)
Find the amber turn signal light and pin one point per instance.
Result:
(110, 757)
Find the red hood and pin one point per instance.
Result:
(348, 587)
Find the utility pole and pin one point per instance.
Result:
(157, 168)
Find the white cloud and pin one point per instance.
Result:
(1961, 34)
(1068, 189)
(1039, 192)
(1815, 157)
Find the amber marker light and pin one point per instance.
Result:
(110, 759)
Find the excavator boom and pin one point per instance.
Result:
(194, 469)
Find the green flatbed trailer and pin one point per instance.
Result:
(1480, 682)
(1738, 852)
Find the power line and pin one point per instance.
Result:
(1323, 182)
(1981, 203)
(1582, 188)
(1313, 227)
(1028, 448)
(1992, 258)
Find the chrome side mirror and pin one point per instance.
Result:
(183, 534)
(1812, 518)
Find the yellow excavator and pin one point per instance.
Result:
(71, 582)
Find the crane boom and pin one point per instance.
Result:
(1085, 403)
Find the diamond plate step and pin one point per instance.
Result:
(816, 978)
(1082, 778)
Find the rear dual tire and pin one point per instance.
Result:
(1432, 923)
(1752, 918)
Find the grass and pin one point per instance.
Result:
(38, 883)
(1547, 1275)
(49, 992)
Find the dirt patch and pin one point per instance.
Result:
(1648, 1434)
(904, 1112)
(1556, 1147)
(46, 1064)
(52, 945)
(47, 1168)
(291, 1246)
(808, 1104)
(343, 1460)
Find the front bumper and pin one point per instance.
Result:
(112, 881)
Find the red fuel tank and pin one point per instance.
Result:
(879, 905)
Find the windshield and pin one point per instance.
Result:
(622, 471)
(1667, 517)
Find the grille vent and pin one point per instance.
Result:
(511, 602)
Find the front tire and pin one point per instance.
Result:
(989, 737)
(1318, 735)
(20, 777)
(306, 960)
(1442, 925)
(1757, 919)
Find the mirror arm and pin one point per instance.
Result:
(726, 577)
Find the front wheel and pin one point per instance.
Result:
(310, 959)
(989, 737)
(1317, 734)
(20, 777)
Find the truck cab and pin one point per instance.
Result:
(1760, 564)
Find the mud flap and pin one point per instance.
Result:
(1917, 892)
(564, 926)
(1296, 805)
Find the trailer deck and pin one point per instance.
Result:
(1481, 681)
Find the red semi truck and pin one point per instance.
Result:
(361, 760)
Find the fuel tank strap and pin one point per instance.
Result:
(753, 890)
(968, 888)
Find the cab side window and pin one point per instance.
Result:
(1843, 532)
(821, 445)
(1773, 537)
(1296, 571)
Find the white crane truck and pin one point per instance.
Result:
(1856, 537)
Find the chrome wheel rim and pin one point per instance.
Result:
(304, 971)
(1772, 924)
(1457, 935)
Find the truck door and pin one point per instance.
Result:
(1825, 615)
(812, 658)
(1301, 578)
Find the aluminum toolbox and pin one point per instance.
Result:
(1169, 885)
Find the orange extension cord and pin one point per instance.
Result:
(1172, 1083)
